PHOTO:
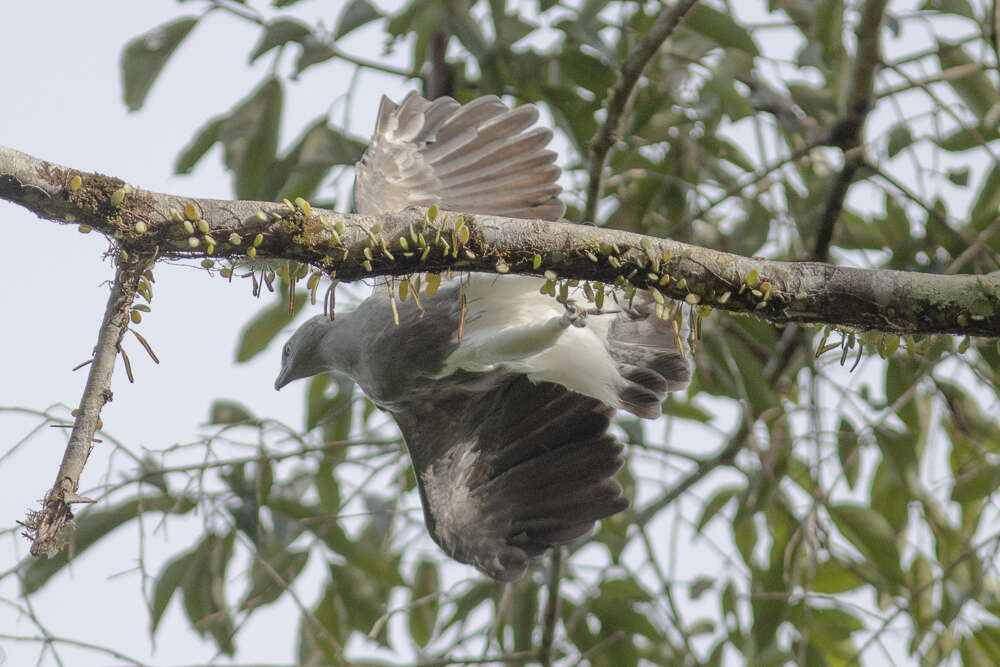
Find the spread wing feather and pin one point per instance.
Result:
(477, 158)
(522, 468)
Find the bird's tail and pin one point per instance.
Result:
(651, 357)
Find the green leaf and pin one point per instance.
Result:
(573, 114)
(334, 412)
(976, 484)
(899, 138)
(362, 596)
(923, 610)
(229, 412)
(973, 653)
(721, 28)
(987, 204)
(313, 52)
(199, 146)
(686, 410)
(716, 503)
(307, 163)
(976, 90)
(356, 14)
(828, 29)
(832, 577)
(171, 577)
(847, 452)
(144, 57)
(898, 449)
(959, 176)
(264, 481)
(92, 525)
(424, 613)
(277, 33)
(267, 324)
(965, 139)
(249, 134)
(587, 71)
(620, 614)
(626, 589)
(959, 7)
(269, 582)
(204, 591)
(872, 535)
(700, 585)
(523, 618)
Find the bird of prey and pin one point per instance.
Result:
(506, 424)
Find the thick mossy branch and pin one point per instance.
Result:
(352, 247)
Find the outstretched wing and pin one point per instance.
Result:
(477, 158)
(509, 472)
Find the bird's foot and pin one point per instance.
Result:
(574, 315)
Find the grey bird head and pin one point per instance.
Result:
(307, 352)
(507, 428)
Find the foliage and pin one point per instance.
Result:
(843, 506)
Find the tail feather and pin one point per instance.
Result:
(645, 349)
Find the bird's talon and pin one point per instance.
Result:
(575, 315)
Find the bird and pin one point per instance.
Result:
(503, 395)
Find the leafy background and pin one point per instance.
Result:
(851, 515)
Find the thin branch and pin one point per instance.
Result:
(701, 471)
(621, 97)
(786, 113)
(846, 132)
(48, 528)
(551, 616)
(899, 302)
(517, 658)
(49, 640)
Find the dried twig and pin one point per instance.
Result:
(49, 528)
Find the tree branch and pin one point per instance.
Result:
(551, 614)
(846, 132)
(621, 97)
(48, 529)
(352, 247)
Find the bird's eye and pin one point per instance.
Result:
(287, 351)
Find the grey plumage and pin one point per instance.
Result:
(507, 429)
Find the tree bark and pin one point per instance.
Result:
(352, 247)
